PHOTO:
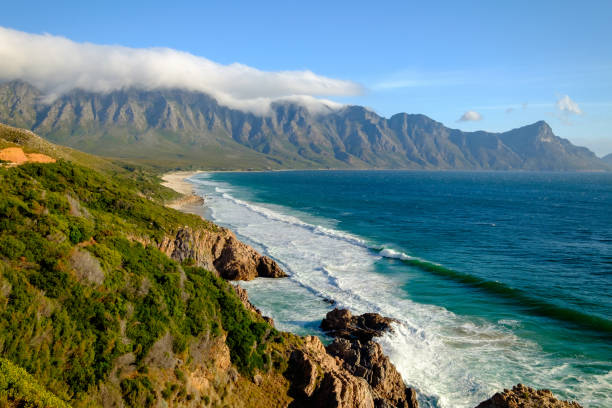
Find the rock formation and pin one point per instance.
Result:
(219, 251)
(521, 396)
(238, 261)
(341, 323)
(367, 360)
(352, 371)
(318, 379)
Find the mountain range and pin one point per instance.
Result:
(173, 127)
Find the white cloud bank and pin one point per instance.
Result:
(470, 116)
(56, 65)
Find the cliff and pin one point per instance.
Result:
(217, 251)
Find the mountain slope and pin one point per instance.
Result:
(181, 127)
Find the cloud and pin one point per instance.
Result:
(567, 106)
(509, 110)
(56, 65)
(470, 116)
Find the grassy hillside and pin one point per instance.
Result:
(99, 319)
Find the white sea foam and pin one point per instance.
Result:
(453, 361)
(391, 253)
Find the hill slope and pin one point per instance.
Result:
(98, 318)
(177, 127)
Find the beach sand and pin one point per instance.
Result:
(189, 202)
(176, 181)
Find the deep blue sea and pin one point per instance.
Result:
(496, 278)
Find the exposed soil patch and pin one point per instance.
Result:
(16, 156)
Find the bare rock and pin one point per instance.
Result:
(76, 209)
(343, 391)
(341, 323)
(368, 361)
(268, 268)
(219, 251)
(521, 396)
(319, 380)
(257, 379)
(239, 261)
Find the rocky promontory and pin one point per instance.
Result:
(219, 251)
(352, 371)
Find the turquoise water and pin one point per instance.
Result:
(496, 278)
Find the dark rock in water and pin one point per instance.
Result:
(341, 323)
(268, 268)
(330, 301)
(367, 360)
(521, 396)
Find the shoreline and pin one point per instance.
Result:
(177, 179)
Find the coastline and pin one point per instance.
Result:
(176, 181)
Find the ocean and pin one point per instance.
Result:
(495, 278)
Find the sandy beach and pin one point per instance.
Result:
(189, 202)
(176, 181)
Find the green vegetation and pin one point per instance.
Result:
(20, 389)
(79, 289)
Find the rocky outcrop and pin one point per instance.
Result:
(352, 371)
(521, 396)
(238, 261)
(319, 380)
(221, 252)
(341, 323)
(367, 360)
(359, 355)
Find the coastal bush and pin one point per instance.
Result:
(138, 392)
(20, 389)
(67, 332)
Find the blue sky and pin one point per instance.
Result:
(511, 63)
